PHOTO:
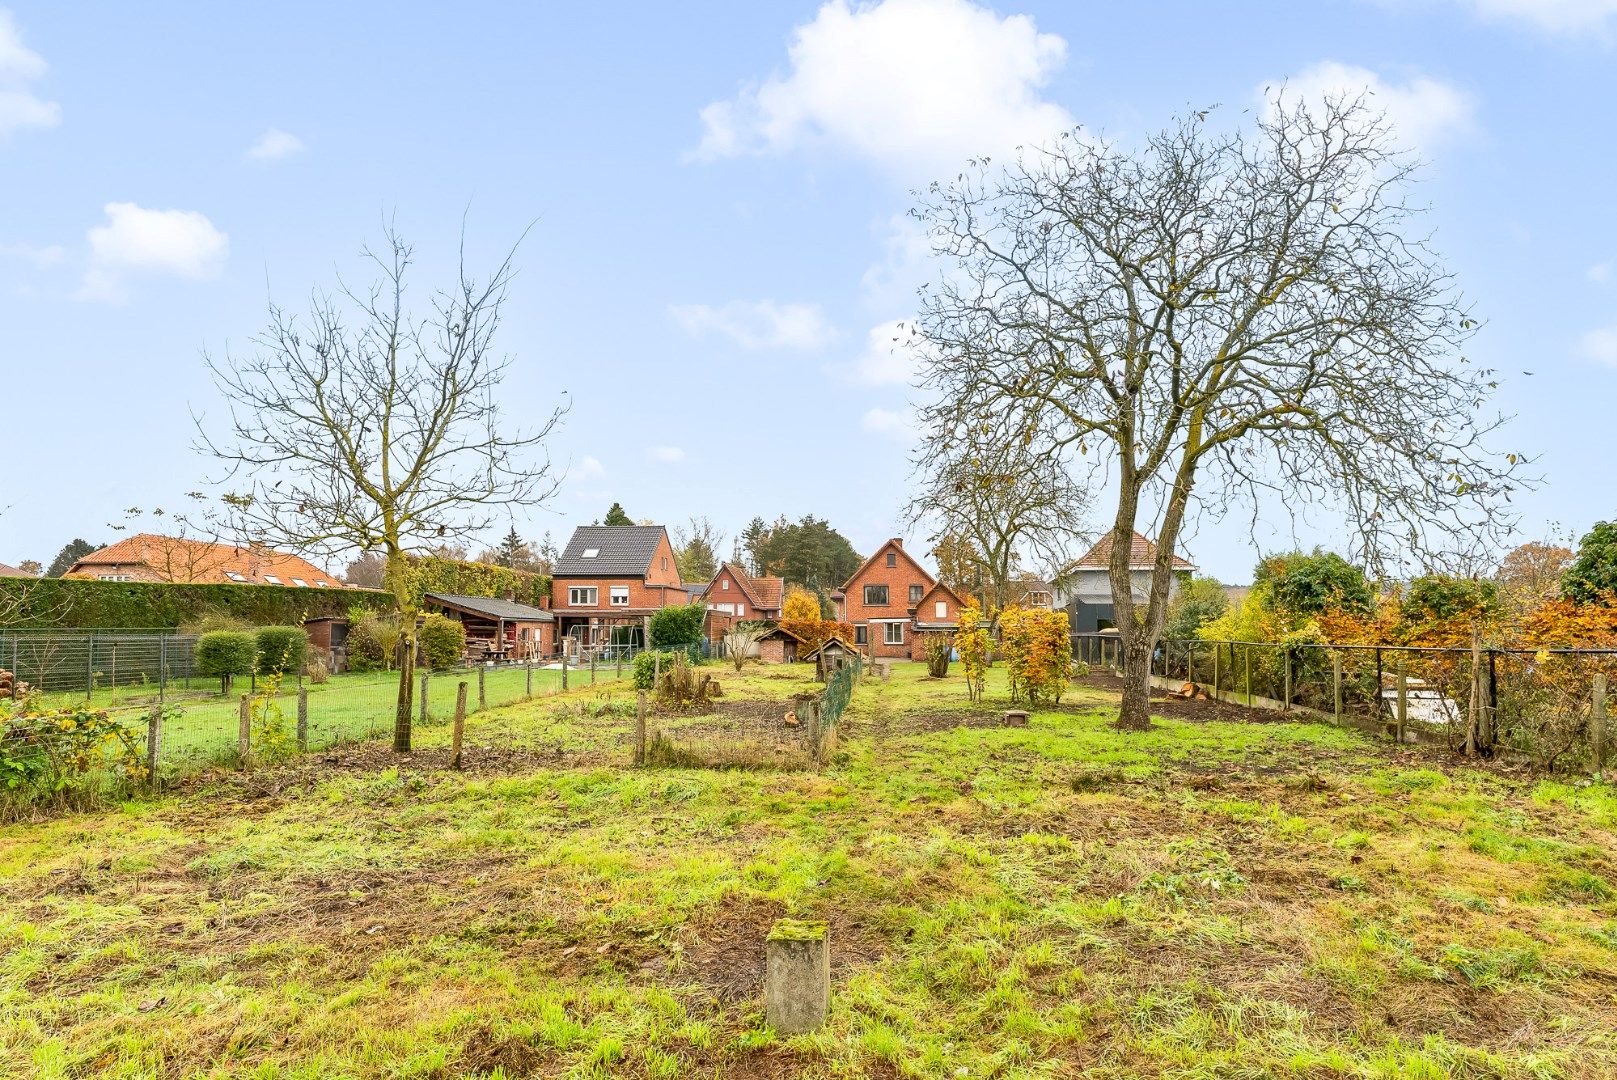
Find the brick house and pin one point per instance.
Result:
(736, 596)
(609, 581)
(891, 600)
(175, 559)
(498, 627)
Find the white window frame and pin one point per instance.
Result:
(725, 584)
(942, 609)
(583, 595)
(618, 595)
(115, 577)
(917, 593)
(888, 629)
(273, 580)
(300, 583)
(741, 611)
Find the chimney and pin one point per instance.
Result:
(898, 541)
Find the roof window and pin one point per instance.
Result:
(590, 553)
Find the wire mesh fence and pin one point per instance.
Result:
(100, 665)
(1548, 704)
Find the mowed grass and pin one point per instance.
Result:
(1202, 900)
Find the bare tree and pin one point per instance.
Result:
(1217, 316)
(997, 507)
(696, 550)
(361, 425)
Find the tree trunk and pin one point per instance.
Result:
(401, 718)
(1135, 711)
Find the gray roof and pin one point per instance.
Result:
(620, 551)
(493, 607)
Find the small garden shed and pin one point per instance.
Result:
(498, 629)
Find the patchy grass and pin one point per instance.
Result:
(1207, 899)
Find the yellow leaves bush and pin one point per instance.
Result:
(1037, 646)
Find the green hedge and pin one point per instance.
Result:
(71, 602)
(434, 575)
(225, 654)
(281, 649)
(443, 642)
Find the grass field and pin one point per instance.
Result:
(1209, 899)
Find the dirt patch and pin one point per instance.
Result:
(1177, 708)
(485, 1053)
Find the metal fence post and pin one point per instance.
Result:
(89, 668)
(162, 668)
(482, 687)
(564, 669)
(244, 736)
(1597, 724)
(1217, 655)
(303, 719)
(1246, 662)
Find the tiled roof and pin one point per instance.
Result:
(764, 592)
(620, 551)
(493, 607)
(897, 544)
(1142, 556)
(183, 560)
(12, 571)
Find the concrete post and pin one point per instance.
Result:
(1597, 725)
(797, 976)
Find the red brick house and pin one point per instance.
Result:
(736, 596)
(891, 600)
(609, 581)
(149, 557)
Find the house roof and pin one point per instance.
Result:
(12, 571)
(1142, 556)
(492, 607)
(896, 543)
(780, 631)
(619, 551)
(179, 559)
(833, 639)
(764, 592)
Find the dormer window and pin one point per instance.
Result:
(590, 553)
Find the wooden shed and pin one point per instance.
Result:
(830, 655)
(498, 629)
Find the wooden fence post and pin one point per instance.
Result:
(564, 669)
(1403, 697)
(154, 743)
(1597, 724)
(1190, 663)
(592, 669)
(1246, 662)
(303, 719)
(244, 736)
(1336, 683)
(482, 688)
(425, 678)
(1286, 653)
(460, 727)
(530, 679)
(640, 728)
(1217, 655)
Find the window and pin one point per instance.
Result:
(876, 595)
(272, 579)
(233, 576)
(323, 584)
(300, 583)
(859, 636)
(1038, 599)
(725, 609)
(916, 592)
(893, 633)
(115, 577)
(620, 596)
(725, 584)
(943, 609)
(590, 553)
(892, 558)
(583, 595)
(741, 610)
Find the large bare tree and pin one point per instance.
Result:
(1000, 508)
(1219, 315)
(361, 424)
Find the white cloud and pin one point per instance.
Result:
(893, 423)
(1601, 273)
(589, 466)
(41, 257)
(273, 144)
(892, 356)
(917, 86)
(19, 66)
(761, 324)
(135, 240)
(1422, 111)
(906, 263)
(1600, 345)
(667, 453)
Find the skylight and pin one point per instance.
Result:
(590, 553)
(300, 583)
(272, 579)
(233, 576)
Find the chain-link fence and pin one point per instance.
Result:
(100, 665)
(1548, 704)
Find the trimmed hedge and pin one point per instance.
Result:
(281, 649)
(226, 653)
(73, 602)
(477, 579)
(443, 642)
(678, 625)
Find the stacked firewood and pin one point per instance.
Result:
(10, 687)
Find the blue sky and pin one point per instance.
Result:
(719, 192)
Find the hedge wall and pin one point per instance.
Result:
(477, 579)
(73, 602)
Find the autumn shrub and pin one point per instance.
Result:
(936, 647)
(1036, 644)
(48, 756)
(975, 647)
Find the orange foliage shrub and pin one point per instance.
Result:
(1037, 646)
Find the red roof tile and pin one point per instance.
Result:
(1142, 556)
(178, 559)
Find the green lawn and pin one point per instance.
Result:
(1203, 900)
